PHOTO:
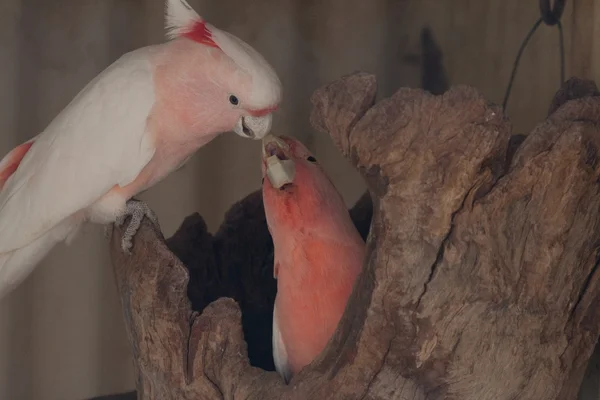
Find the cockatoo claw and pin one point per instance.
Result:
(137, 210)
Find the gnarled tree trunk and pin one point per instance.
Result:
(480, 280)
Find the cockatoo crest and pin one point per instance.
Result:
(182, 21)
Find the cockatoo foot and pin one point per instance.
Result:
(137, 210)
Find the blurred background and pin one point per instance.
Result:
(62, 335)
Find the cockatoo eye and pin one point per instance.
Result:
(233, 100)
(311, 159)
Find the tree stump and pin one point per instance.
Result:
(480, 281)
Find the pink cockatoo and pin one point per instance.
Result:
(135, 123)
(318, 252)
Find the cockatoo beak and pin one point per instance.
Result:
(280, 168)
(253, 127)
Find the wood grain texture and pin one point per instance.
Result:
(480, 281)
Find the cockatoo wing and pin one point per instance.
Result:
(17, 265)
(11, 161)
(280, 356)
(99, 140)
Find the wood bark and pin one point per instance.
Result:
(480, 280)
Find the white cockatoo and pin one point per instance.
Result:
(131, 126)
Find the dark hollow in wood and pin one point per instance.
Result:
(480, 280)
(238, 263)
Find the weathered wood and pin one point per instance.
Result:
(480, 280)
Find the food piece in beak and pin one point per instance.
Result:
(280, 172)
(280, 169)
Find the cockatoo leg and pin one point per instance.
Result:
(137, 210)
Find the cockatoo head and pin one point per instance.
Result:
(297, 193)
(223, 83)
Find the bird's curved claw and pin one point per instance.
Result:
(137, 210)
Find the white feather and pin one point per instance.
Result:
(9, 157)
(179, 17)
(279, 352)
(97, 141)
(16, 265)
(266, 86)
